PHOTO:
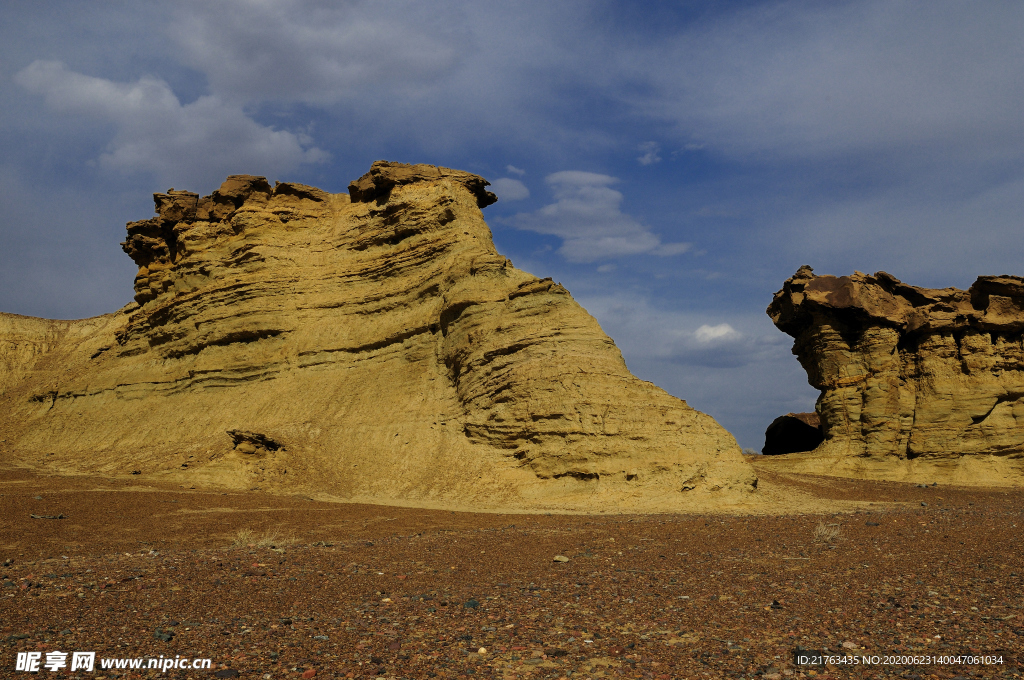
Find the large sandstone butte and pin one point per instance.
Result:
(371, 346)
(916, 383)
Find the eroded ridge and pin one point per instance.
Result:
(380, 335)
(911, 373)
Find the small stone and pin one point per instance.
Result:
(560, 558)
(849, 645)
(923, 504)
(482, 650)
(226, 673)
(471, 604)
(246, 447)
(309, 674)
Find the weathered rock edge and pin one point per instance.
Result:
(915, 382)
(372, 347)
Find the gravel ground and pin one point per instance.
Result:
(286, 587)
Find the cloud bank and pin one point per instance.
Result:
(198, 142)
(812, 80)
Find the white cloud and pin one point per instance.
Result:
(434, 77)
(185, 145)
(670, 249)
(586, 215)
(709, 334)
(508, 189)
(513, 170)
(649, 154)
(690, 338)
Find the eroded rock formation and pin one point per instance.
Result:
(371, 346)
(912, 375)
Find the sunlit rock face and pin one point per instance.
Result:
(912, 374)
(367, 346)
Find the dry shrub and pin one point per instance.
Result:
(271, 538)
(827, 533)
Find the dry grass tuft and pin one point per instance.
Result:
(827, 533)
(271, 538)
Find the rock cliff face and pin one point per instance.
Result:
(914, 381)
(371, 346)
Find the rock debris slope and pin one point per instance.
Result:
(916, 383)
(371, 346)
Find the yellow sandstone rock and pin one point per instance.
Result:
(376, 348)
(917, 384)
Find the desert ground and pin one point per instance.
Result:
(270, 586)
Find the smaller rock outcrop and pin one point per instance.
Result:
(253, 442)
(793, 433)
(386, 175)
(912, 377)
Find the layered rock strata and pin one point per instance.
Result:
(913, 380)
(370, 346)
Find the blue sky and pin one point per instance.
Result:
(671, 167)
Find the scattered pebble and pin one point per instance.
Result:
(690, 595)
